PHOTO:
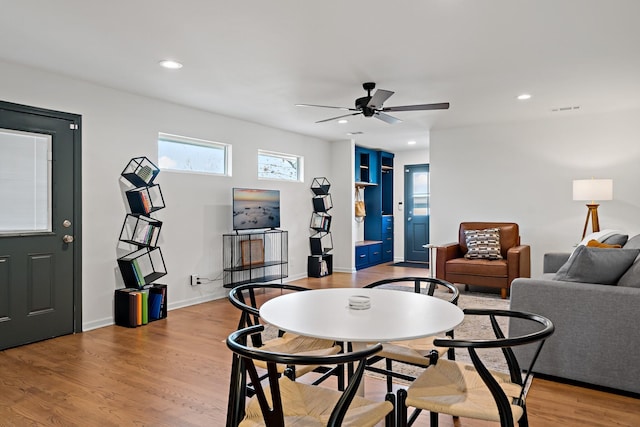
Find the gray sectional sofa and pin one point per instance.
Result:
(597, 336)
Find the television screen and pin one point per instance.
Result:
(253, 208)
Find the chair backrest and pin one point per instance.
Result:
(272, 410)
(509, 234)
(426, 285)
(244, 298)
(538, 336)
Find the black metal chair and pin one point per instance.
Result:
(244, 298)
(472, 390)
(420, 352)
(279, 401)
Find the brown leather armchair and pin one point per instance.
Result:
(452, 266)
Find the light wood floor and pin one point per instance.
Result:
(175, 372)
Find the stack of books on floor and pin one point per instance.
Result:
(135, 307)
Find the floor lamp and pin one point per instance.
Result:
(592, 190)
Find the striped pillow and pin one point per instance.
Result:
(483, 244)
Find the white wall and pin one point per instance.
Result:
(117, 126)
(401, 159)
(342, 214)
(523, 172)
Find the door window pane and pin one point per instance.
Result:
(420, 193)
(25, 182)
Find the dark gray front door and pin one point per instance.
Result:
(416, 213)
(39, 224)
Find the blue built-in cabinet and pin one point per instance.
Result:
(374, 174)
(367, 165)
(368, 253)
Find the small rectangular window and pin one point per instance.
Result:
(180, 153)
(286, 167)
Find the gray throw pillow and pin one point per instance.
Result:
(597, 265)
(632, 243)
(616, 239)
(631, 278)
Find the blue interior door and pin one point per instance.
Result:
(416, 213)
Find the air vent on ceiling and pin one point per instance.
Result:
(558, 109)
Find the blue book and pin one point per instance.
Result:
(155, 303)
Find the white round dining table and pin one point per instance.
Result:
(393, 315)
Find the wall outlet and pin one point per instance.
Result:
(194, 280)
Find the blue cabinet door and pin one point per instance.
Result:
(362, 257)
(375, 253)
(387, 238)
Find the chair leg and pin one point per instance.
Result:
(340, 377)
(524, 420)
(390, 419)
(237, 392)
(433, 419)
(503, 293)
(451, 354)
(401, 408)
(389, 366)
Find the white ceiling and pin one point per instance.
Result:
(256, 59)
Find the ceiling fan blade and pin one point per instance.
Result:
(339, 117)
(386, 118)
(326, 106)
(378, 98)
(421, 107)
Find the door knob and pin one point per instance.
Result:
(67, 238)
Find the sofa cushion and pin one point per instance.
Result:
(483, 244)
(616, 239)
(600, 236)
(597, 265)
(478, 267)
(631, 277)
(632, 243)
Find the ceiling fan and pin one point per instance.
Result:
(371, 106)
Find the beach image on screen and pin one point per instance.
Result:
(253, 208)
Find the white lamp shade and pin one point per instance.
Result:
(593, 189)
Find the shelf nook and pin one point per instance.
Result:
(142, 300)
(255, 257)
(320, 262)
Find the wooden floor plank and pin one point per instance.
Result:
(175, 372)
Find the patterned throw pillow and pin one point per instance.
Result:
(483, 244)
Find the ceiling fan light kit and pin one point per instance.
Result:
(372, 106)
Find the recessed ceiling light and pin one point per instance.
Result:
(524, 96)
(170, 64)
(411, 143)
(343, 121)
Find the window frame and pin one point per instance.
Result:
(187, 140)
(276, 154)
(41, 221)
